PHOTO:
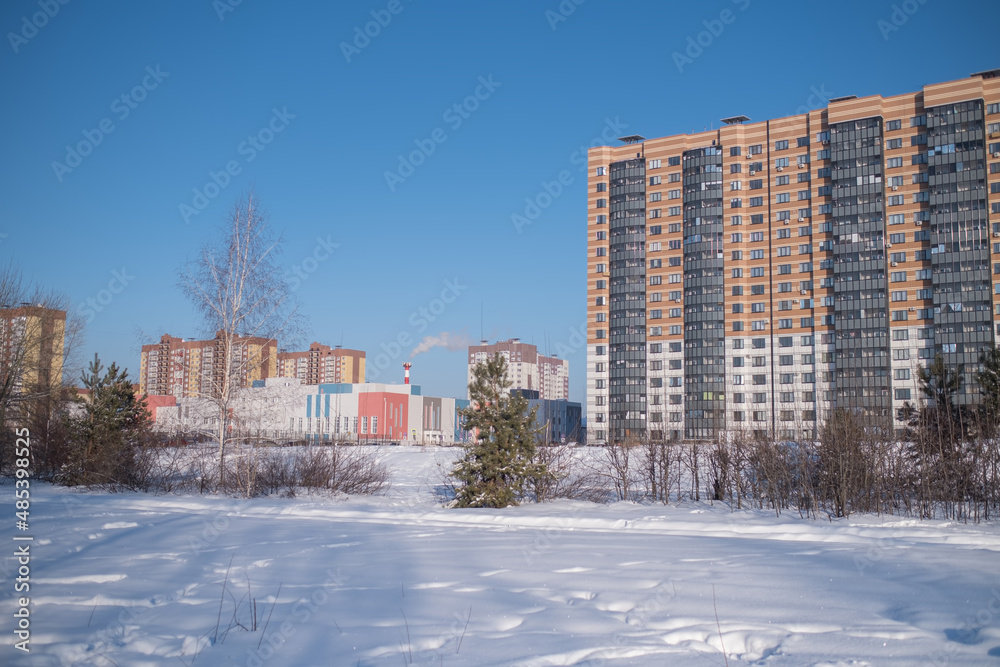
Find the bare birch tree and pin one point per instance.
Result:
(236, 286)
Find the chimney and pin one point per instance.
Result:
(406, 372)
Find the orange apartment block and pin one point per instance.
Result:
(195, 368)
(757, 276)
(321, 364)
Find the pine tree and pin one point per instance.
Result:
(495, 469)
(110, 433)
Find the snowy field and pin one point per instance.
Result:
(132, 579)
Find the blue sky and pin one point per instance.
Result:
(535, 82)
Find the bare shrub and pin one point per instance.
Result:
(567, 475)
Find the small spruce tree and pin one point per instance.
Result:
(496, 468)
(110, 434)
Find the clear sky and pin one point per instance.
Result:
(115, 113)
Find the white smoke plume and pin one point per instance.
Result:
(449, 341)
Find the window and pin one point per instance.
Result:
(602, 187)
(654, 164)
(673, 194)
(782, 198)
(918, 121)
(901, 374)
(785, 360)
(756, 236)
(780, 163)
(758, 219)
(757, 307)
(894, 162)
(602, 219)
(655, 180)
(737, 254)
(734, 151)
(758, 380)
(802, 142)
(654, 213)
(756, 149)
(602, 171)
(756, 254)
(893, 125)
(655, 196)
(602, 203)
(783, 233)
(902, 394)
(673, 161)
(756, 201)
(781, 145)
(894, 143)
(655, 230)
(899, 296)
(897, 238)
(784, 251)
(896, 219)
(804, 194)
(897, 276)
(736, 202)
(674, 210)
(757, 272)
(756, 184)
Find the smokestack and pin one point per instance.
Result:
(406, 372)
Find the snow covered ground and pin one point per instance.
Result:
(134, 579)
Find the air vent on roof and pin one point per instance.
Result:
(845, 97)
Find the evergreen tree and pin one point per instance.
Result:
(110, 433)
(495, 469)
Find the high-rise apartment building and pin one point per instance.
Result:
(321, 364)
(32, 339)
(527, 369)
(195, 368)
(757, 276)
